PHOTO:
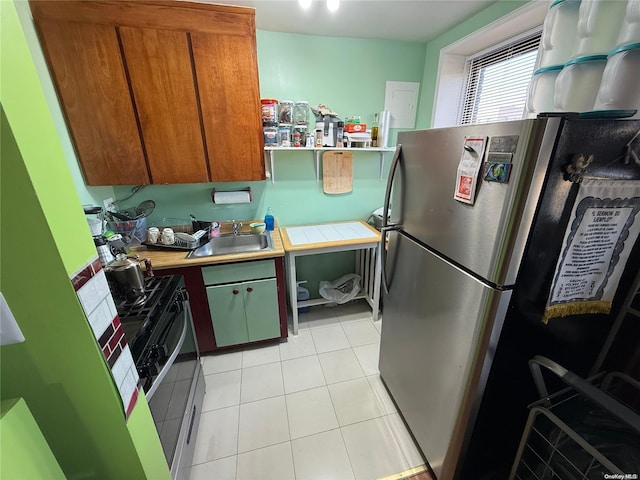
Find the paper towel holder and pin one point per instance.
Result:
(226, 196)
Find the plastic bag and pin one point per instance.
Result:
(341, 290)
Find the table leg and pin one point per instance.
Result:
(293, 291)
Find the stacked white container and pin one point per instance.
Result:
(541, 90)
(630, 31)
(558, 33)
(598, 26)
(592, 48)
(556, 45)
(619, 90)
(577, 84)
(620, 86)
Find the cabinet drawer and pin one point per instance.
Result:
(238, 272)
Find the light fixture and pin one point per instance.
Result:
(305, 3)
(333, 5)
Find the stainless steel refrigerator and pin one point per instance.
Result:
(468, 282)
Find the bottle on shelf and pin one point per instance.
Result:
(374, 131)
(269, 220)
(340, 135)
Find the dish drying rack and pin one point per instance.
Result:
(182, 226)
(585, 431)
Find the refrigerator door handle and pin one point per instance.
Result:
(383, 254)
(386, 227)
(387, 193)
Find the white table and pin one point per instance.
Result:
(328, 238)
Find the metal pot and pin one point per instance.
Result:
(127, 275)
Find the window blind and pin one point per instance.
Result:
(496, 82)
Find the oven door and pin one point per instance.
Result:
(171, 394)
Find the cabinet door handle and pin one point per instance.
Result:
(236, 291)
(249, 289)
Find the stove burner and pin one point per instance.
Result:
(143, 304)
(139, 300)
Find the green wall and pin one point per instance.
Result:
(23, 449)
(59, 369)
(482, 19)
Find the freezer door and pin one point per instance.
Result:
(436, 330)
(485, 237)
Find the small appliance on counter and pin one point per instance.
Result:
(327, 130)
(95, 219)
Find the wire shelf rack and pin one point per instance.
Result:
(585, 431)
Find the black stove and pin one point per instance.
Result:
(159, 330)
(153, 325)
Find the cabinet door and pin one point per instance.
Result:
(89, 75)
(159, 66)
(261, 308)
(226, 305)
(227, 75)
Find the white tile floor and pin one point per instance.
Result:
(311, 407)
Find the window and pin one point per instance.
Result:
(497, 81)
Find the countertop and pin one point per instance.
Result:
(328, 235)
(294, 238)
(161, 259)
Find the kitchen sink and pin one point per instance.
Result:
(230, 244)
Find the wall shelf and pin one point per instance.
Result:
(317, 154)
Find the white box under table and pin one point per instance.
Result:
(328, 238)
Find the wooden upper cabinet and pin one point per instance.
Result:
(156, 91)
(226, 69)
(159, 67)
(87, 69)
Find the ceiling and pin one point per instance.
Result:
(416, 20)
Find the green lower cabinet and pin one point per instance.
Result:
(244, 312)
(226, 304)
(261, 309)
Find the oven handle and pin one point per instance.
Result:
(172, 357)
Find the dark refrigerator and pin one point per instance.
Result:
(469, 270)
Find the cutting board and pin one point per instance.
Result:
(337, 172)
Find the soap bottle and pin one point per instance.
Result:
(268, 220)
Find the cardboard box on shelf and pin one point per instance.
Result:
(355, 127)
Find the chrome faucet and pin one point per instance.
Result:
(236, 226)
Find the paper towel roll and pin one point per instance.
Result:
(242, 196)
(383, 131)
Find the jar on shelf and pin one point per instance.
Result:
(285, 112)
(301, 112)
(270, 136)
(301, 132)
(311, 140)
(284, 135)
(269, 112)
